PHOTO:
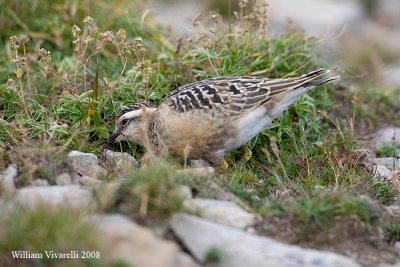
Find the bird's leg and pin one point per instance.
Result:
(246, 155)
(222, 167)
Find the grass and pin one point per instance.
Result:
(151, 191)
(45, 230)
(308, 168)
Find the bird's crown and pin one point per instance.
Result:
(136, 107)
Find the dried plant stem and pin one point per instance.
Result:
(22, 96)
(113, 87)
(75, 73)
(27, 69)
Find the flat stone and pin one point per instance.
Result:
(64, 179)
(240, 248)
(390, 135)
(382, 172)
(136, 245)
(223, 212)
(40, 182)
(69, 196)
(206, 172)
(121, 162)
(388, 162)
(7, 179)
(391, 77)
(314, 17)
(88, 181)
(185, 191)
(85, 164)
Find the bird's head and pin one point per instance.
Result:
(132, 124)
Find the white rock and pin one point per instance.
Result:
(383, 172)
(315, 16)
(387, 12)
(88, 181)
(390, 135)
(186, 192)
(121, 162)
(7, 179)
(201, 172)
(40, 182)
(136, 245)
(223, 212)
(69, 196)
(392, 77)
(388, 162)
(243, 249)
(64, 179)
(85, 164)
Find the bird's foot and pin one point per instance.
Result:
(246, 155)
(222, 167)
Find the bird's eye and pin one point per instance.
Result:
(124, 121)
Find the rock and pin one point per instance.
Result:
(186, 192)
(40, 182)
(387, 13)
(64, 179)
(7, 179)
(121, 162)
(206, 172)
(240, 248)
(223, 212)
(69, 196)
(88, 181)
(222, 193)
(136, 245)
(313, 17)
(388, 135)
(382, 172)
(85, 164)
(394, 210)
(391, 77)
(388, 162)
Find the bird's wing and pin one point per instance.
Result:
(234, 94)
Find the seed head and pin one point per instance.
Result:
(10, 83)
(88, 20)
(23, 39)
(16, 59)
(216, 18)
(108, 36)
(146, 75)
(94, 31)
(65, 77)
(121, 35)
(14, 42)
(88, 40)
(243, 3)
(196, 20)
(24, 61)
(76, 31)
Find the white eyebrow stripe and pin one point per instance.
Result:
(132, 114)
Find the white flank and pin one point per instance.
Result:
(287, 100)
(251, 124)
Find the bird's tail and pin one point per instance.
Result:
(313, 83)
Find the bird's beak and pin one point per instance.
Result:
(111, 139)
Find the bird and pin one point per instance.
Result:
(207, 119)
